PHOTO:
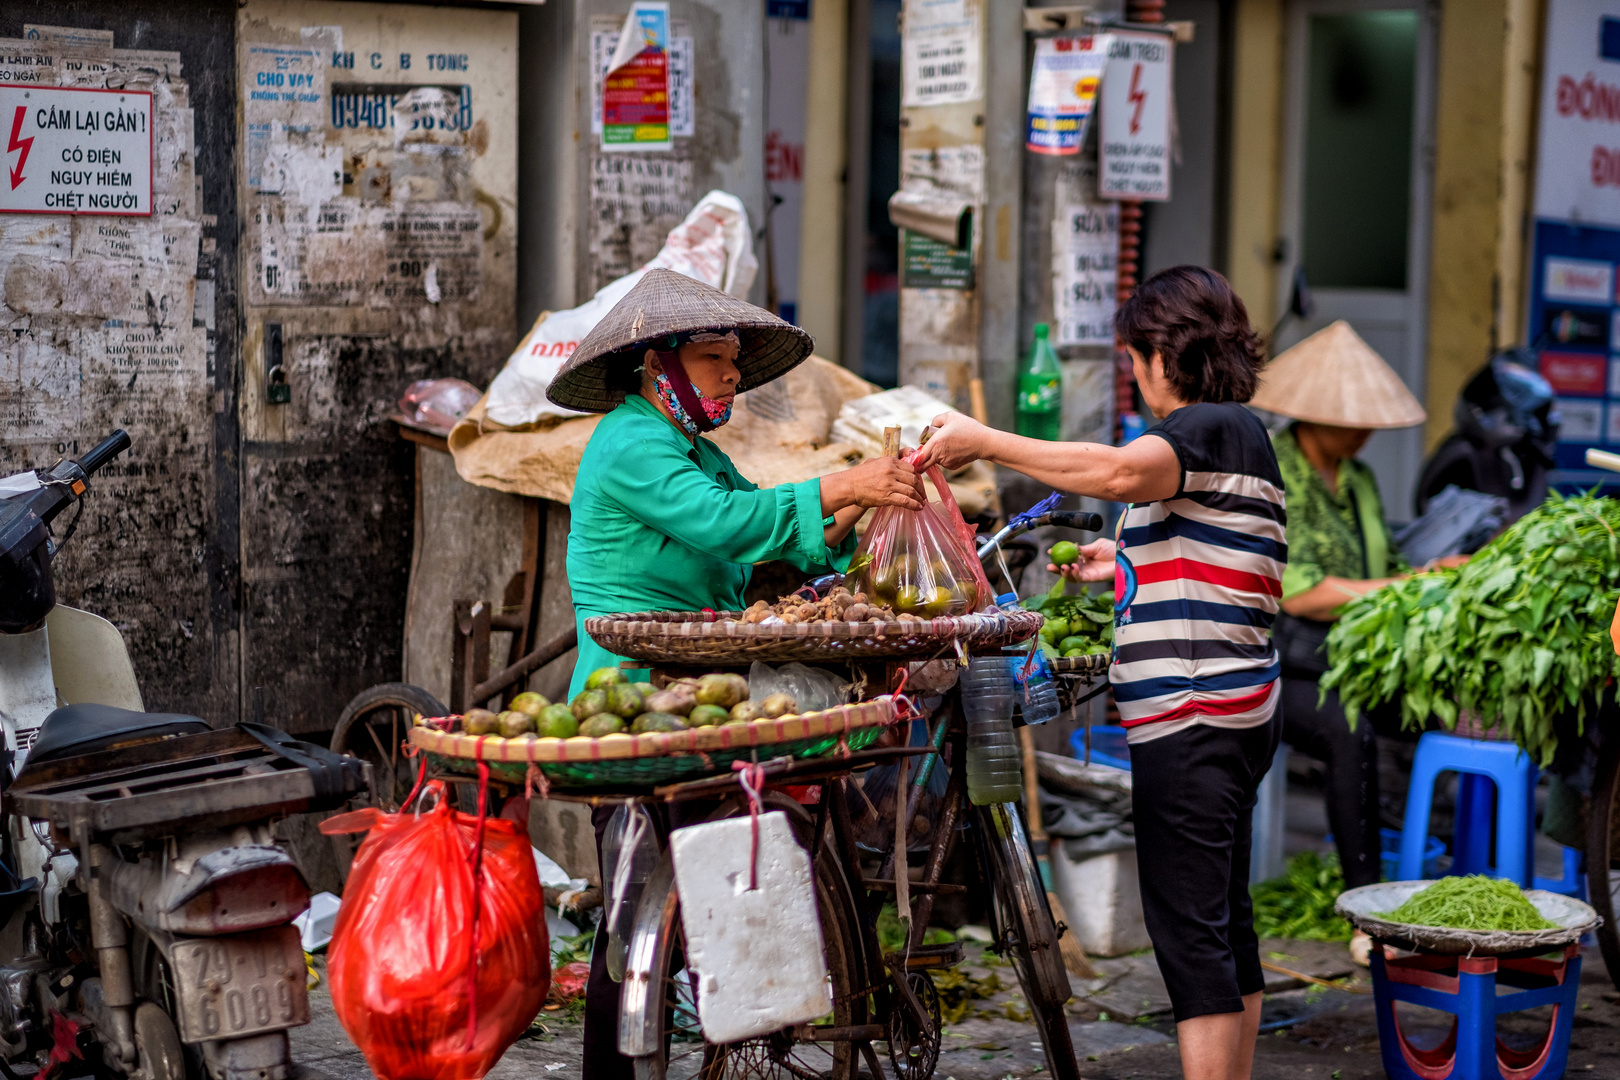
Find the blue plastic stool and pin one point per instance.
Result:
(1480, 764)
(1108, 745)
(1573, 883)
(1467, 989)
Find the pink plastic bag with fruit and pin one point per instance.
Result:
(922, 562)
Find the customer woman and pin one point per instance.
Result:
(1198, 567)
(661, 518)
(1337, 390)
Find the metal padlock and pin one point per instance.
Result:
(276, 390)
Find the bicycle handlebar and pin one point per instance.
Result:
(1077, 519)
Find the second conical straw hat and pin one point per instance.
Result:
(1334, 377)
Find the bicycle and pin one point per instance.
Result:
(879, 997)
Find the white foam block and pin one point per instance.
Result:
(757, 953)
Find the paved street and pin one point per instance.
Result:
(1315, 1032)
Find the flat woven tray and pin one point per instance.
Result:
(686, 637)
(660, 757)
(1364, 906)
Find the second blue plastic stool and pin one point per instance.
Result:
(1479, 764)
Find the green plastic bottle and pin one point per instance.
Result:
(1040, 391)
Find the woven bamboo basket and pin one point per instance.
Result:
(697, 637)
(1095, 664)
(659, 757)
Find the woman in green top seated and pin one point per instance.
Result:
(1338, 391)
(661, 519)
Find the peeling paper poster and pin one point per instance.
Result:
(635, 92)
(682, 113)
(283, 99)
(940, 45)
(1063, 88)
(1085, 274)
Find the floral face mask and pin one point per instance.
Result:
(716, 412)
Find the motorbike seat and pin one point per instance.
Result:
(85, 728)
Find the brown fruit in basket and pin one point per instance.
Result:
(855, 613)
(677, 699)
(601, 724)
(746, 712)
(718, 690)
(513, 723)
(478, 722)
(778, 705)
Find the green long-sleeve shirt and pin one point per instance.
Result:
(658, 522)
(1332, 534)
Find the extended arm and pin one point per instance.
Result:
(1143, 470)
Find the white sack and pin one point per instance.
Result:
(712, 245)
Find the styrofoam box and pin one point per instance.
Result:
(1102, 900)
(757, 953)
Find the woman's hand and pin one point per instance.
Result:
(881, 481)
(1446, 562)
(957, 440)
(1096, 563)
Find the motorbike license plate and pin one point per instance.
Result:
(239, 985)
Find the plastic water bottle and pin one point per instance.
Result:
(1037, 691)
(630, 851)
(994, 761)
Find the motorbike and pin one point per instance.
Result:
(147, 909)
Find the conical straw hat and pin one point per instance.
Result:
(1333, 377)
(664, 302)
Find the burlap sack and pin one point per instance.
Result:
(778, 434)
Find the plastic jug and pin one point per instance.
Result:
(994, 761)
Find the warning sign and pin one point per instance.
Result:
(76, 151)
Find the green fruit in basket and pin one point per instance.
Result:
(940, 602)
(1065, 552)
(1073, 641)
(624, 699)
(602, 724)
(478, 722)
(604, 677)
(746, 712)
(708, 716)
(740, 683)
(529, 702)
(1067, 653)
(720, 690)
(1055, 630)
(557, 722)
(657, 721)
(513, 723)
(908, 600)
(587, 703)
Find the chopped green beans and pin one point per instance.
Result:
(1475, 902)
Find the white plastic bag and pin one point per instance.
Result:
(712, 245)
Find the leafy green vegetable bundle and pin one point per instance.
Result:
(1300, 903)
(1475, 902)
(1518, 636)
(1078, 625)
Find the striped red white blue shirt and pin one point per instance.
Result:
(1198, 580)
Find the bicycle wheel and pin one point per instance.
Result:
(1024, 925)
(373, 727)
(1603, 854)
(660, 1009)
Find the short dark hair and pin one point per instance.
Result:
(1190, 316)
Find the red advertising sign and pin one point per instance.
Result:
(1580, 374)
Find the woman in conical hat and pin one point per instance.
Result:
(661, 519)
(1337, 391)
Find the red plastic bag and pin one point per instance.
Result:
(400, 962)
(922, 562)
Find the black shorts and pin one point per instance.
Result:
(1193, 796)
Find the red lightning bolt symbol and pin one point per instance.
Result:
(1137, 97)
(18, 144)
